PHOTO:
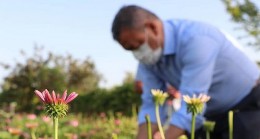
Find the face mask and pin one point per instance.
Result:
(146, 55)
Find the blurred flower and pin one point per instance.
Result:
(195, 104)
(74, 123)
(31, 125)
(31, 116)
(102, 115)
(8, 120)
(14, 131)
(117, 122)
(159, 96)
(209, 125)
(46, 119)
(71, 136)
(92, 132)
(39, 107)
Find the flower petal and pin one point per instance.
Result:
(40, 95)
(54, 97)
(64, 95)
(187, 99)
(72, 96)
(48, 96)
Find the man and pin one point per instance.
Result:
(194, 58)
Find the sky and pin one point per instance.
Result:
(82, 28)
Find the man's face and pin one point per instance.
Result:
(132, 39)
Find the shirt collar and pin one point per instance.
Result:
(169, 47)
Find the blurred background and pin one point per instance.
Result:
(66, 44)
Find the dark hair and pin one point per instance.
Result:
(129, 17)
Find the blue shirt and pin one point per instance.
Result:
(197, 58)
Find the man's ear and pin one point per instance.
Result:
(153, 25)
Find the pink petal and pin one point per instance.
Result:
(54, 97)
(64, 95)
(71, 97)
(48, 96)
(58, 96)
(40, 95)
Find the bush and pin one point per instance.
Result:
(119, 99)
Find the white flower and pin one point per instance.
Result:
(196, 104)
(159, 96)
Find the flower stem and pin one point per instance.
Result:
(159, 121)
(207, 135)
(33, 134)
(55, 126)
(148, 123)
(230, 123)
(193, 126)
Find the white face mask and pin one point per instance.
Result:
(146, 55)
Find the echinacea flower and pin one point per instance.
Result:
(159, 96)
(195, 104)
(31, 125)
(55, 105)
(46, 119)
(47, 98)
(31, 116)
(74, 123)
(14, 131)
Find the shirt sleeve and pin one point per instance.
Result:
(198, 59)
(150, 81)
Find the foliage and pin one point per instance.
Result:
(72, 126)
(54, 72)
(118, 99)
(247, 14)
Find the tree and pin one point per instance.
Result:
(247, 14)
(52, 72)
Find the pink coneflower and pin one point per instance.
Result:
(14, 131)
(74, 123)
(117, 122)
(31, 116)
(47, 98)
(46, 119)
(56, 106)
(31, 125)
(102, 115)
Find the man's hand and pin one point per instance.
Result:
(172, 132)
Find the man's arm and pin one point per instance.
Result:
(150, 81)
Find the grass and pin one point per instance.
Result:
(73, 126)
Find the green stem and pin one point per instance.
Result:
(114, 136)
(159, 121)
(230, 123)
(207, 135)
(55, 126)
(149, 129)
(33, 134)
(193, 126)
